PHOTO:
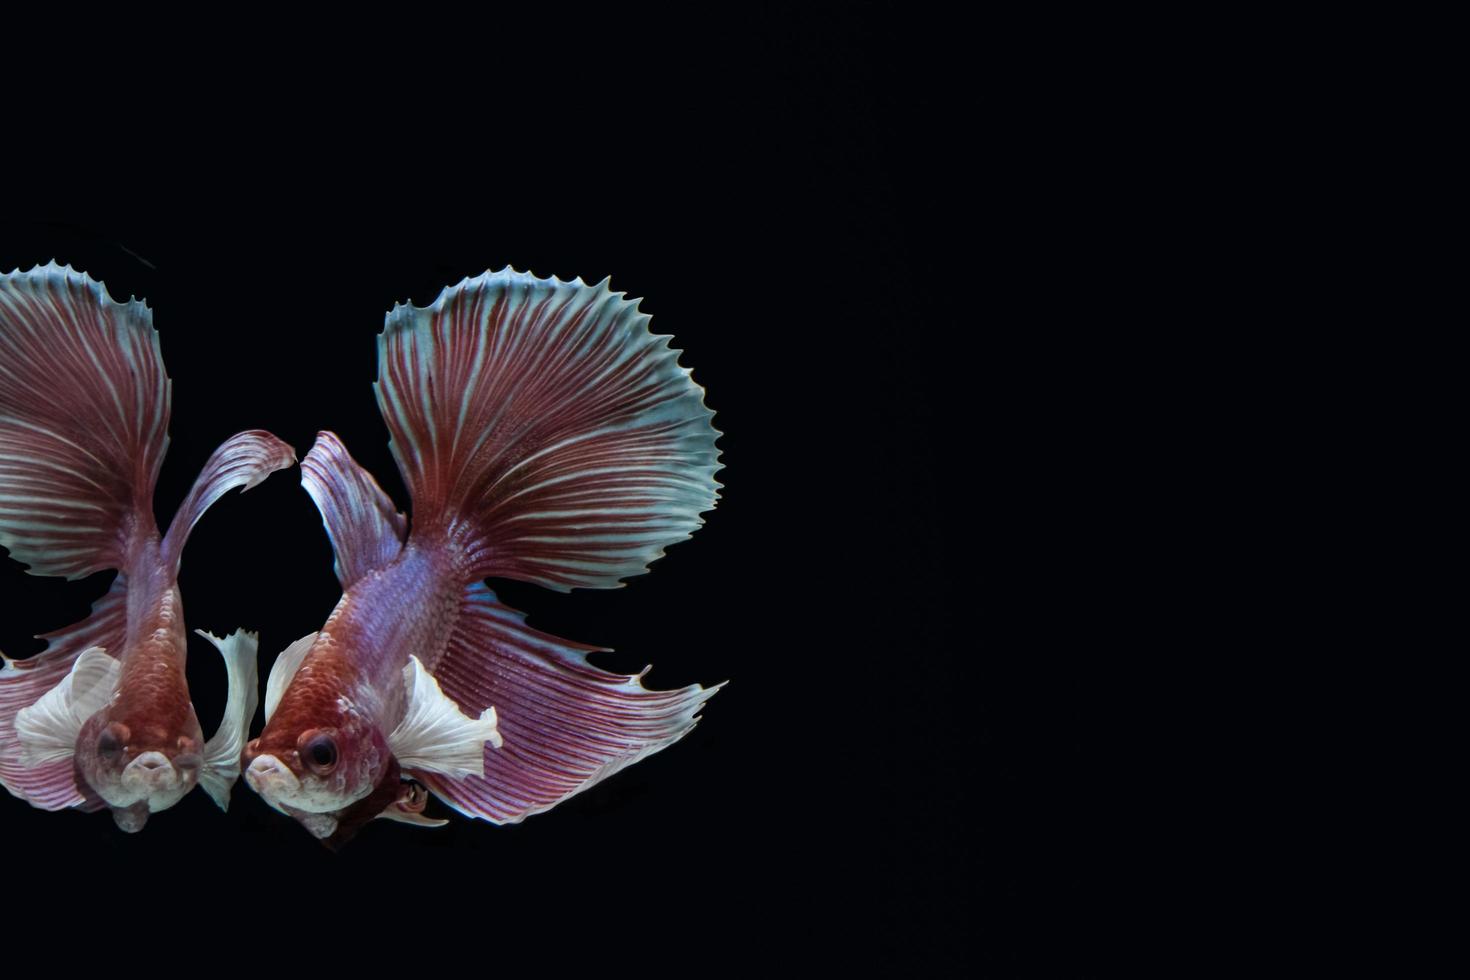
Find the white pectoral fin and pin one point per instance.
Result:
(435, 735)
(47, 730)
(222, 752)
(283, 670)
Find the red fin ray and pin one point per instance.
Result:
(544, 426)
(367, 532)
(84, 406)
(565, 724)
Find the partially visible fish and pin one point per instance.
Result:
(544, 435)
(103, 716)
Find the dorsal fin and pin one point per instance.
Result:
(366, 531)
(84, 406)
(541, 426)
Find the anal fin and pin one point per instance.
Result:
(565, 724)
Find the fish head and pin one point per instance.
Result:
(315, 769)
(140, 766)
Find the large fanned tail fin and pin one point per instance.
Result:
(52, 785)
(543, 429)
(84, 406)
(563, 724)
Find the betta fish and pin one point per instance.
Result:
(546, 435)
(103, 716)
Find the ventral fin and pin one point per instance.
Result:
(409, 807)
(366, 531)
(398, 813)
(222, 752)
(48, 730)
(283, 670)
(435, 735)
(243, 460)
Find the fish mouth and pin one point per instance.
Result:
(280, 787)
(149, 783)
(151, 773)
(284, 790)
(272, 779)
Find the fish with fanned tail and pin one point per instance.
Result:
(103, 716)
(544, 435)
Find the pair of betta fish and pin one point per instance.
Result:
(544, 434)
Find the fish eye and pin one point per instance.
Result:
(112, 739)
(319, 752)
(188, 756)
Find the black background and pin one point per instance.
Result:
(799, 238)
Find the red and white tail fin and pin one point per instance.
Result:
(563, 724)
(544, 430)
(84, 405)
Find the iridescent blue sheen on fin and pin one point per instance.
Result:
(545, 430)
(84, 405)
